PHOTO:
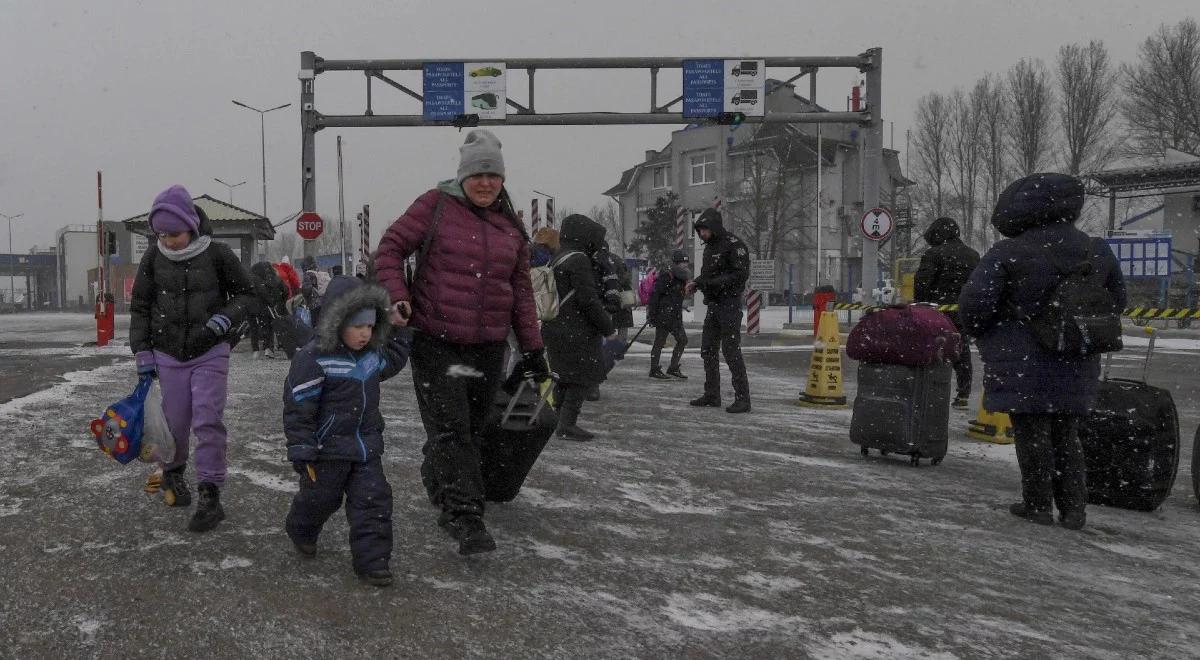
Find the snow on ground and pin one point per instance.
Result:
(679, 533)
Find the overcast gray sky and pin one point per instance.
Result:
(142, 90)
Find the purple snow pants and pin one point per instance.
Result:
(193, 395)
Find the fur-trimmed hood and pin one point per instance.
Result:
(343, 297)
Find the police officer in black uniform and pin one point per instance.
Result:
(723, 275)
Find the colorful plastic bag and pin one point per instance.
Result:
(127, 430)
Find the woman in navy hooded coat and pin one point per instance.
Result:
(1045, 393)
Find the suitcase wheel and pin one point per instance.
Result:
(865, 451)
(935, 461)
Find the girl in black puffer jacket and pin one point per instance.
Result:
(190, 297)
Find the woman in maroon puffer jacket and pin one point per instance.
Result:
(470, 290)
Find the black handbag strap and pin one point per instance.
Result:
(427, 242)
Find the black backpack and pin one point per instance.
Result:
(1078, 317)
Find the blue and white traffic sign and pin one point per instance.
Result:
(464, 88)
(711, 87)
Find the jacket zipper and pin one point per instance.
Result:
(361, 412)
(483, 266)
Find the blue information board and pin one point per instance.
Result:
(703, 88)
(1142, 256)
(443, 88)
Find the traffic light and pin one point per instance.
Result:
(110, 242)
(734, 119)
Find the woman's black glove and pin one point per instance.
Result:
(534, 365)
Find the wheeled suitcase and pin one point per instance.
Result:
(517, 430)
(902, 409)
(1196, 464)
(1131, 442)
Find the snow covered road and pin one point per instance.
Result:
(679, 533)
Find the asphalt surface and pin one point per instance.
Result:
(678, 533)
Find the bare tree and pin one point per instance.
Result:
(609, 217)
(993, 128)
(963, 137)
(1087, 83)
(1031, 128)
(768, 203)
(930, 145)
(286, 244)
(1161, 104)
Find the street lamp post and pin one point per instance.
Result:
(12, 295)
(231, 186)
(263, 132)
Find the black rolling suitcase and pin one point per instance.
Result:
(517, 430)
(1131, 442)
(902, 409)
(1196, 464)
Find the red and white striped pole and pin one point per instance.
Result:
(535, 217)
(753, 310)
(99, 237)
(680, 228)
(550, 212)
(364, 235)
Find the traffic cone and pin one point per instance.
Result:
(824, 389)
(991, 426)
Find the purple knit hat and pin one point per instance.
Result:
(173, 212)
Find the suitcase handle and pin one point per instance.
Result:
(1149, 354)
(543, 398)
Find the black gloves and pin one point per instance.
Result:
(534, 365)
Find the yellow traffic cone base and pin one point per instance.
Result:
(825, 382)
(994, 427)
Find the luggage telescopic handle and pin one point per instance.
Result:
(1149, 354)
(543, 398)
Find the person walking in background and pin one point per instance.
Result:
(189, 297)
(573, 337)
(664, 313)
(334, 428)
(470, 288)
(1045, 392)
(723, 276)
(943, 272)
(270, 294)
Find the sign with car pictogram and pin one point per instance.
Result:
(711, 87)
(451, 89)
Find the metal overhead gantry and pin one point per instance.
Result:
(870, 63)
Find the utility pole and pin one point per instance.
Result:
(341, 209)
(872, 163)
(12, 296)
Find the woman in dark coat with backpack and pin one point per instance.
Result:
(573, 337)
(1045, 392)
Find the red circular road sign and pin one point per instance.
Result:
(309, 225)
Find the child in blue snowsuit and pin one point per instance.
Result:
(334, 428)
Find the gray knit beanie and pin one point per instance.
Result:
(480, 154)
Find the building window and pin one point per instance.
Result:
(704, 169)
(662, 178)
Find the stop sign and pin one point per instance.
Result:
(309, 225)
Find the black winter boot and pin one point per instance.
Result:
(472, 535)
(208, 510)
(175, 488)
(1021, 510)
(674, 371)
(380, 578)
(739, 406)
(706, 401)
(1074, 520)
(657, 373)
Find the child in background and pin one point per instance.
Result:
(190, 295)
(334, 428)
